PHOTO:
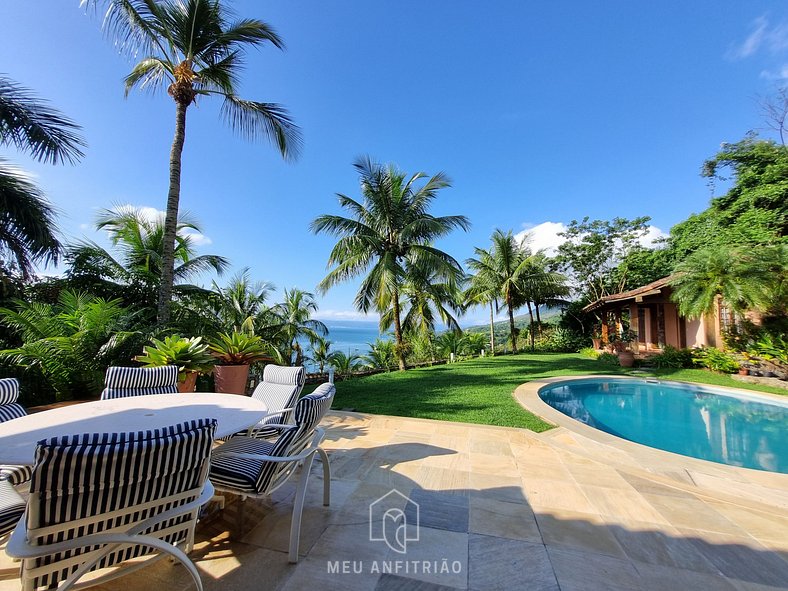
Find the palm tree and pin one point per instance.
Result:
(344, 364)
(540, 286)
(381, 355)
(27, 226)
(742, 278)
(139, 239)
(321, 352)
(391, 228)
(483, 290)
(501, 269)
(195, 49)
(295, 321)
(241, 304)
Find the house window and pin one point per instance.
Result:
(726, 317)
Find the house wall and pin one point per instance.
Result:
(672, 326)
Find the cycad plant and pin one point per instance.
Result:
(195, 49)
(389, 228)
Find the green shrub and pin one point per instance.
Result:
(559, 340)
(715, 360)
(589, 352)
(608, 359)
(673, 358)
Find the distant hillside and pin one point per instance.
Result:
(521, 321)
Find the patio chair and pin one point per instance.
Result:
(12, 506)
(99, 500)
(252, 467)
(121, 382)
(279, 390)
(10, 409)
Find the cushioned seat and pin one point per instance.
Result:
(12, 506)
(241, 474)
(122, 382)
(10, 410)
(279, 390)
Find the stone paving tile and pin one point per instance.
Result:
(578, 532)
(439, 510)
(584, 571)
(655, 577)
(388, 582)
(692, 513)
(503, 520)
(498, 564)
(436, 546)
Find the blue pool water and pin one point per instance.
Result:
(704, 423)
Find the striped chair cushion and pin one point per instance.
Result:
(256, 476)
(279, 389)
(11, 411)
(16, 475)
(277, 374)
(121, 382)
(92, 475)
(12, 506)
(9, 390)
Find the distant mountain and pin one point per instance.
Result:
(521, 321)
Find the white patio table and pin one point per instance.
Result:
(233, 413)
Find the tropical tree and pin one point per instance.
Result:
(502, 268)
(482, 290)
(27, 227)
(540, 287)
(321, 352)
(344, 364)
(135, 272)
(195, 49)
(294, 321)
(389, 229)
(449, 342)
(742, 278)
(72, 342)
(382, 355)
(241, 304)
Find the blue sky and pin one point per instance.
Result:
(539, 112)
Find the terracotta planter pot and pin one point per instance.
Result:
(231, 379)
(626, 358)
(188, 385)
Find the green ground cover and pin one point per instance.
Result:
(480, 390)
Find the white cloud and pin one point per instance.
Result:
(781, 74)
(545, 236)
(763, 35)
(196, 238)
(85, 227)
(344, 315)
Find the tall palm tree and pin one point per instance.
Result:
(482, 290)
(502, 267)
(241, 303)
(390, 228)
(295, 321)
(27, 226)
(540, 286)
(195, 48)
(139, 240)
(321, 352)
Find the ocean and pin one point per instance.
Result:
(352, 337)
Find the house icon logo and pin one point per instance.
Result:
(394, 519)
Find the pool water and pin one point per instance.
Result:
(746, 430)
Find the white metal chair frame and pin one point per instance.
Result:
(20, 545)
(303, 451)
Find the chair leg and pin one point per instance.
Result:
(298, 508)
(326, 476)
(239, 521)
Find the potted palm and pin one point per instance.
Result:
(190, 355)
(234, 353)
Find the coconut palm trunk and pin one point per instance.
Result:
(531, 328)
(512, 335)
(171, 218)
(398, 331)
(538, 319)
(492, 330)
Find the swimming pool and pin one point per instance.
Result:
(717, 425)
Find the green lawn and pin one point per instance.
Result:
(480, 390)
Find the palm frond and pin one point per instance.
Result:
(270, 121)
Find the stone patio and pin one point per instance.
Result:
(499, 509)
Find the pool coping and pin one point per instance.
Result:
(683, 471)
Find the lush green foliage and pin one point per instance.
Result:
(673, 358)
(27, 227)
(609, 359)
(240, 348)
(715, 360)
(190, 355)
(71, 343)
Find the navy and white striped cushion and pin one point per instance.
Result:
(277, 374)
(16, 475)
(121, 382)
(255, 476)
(279, 389)
(11, 411)
(9, 390)
(12, 506)
(91, 475)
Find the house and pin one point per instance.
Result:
(655, 318)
